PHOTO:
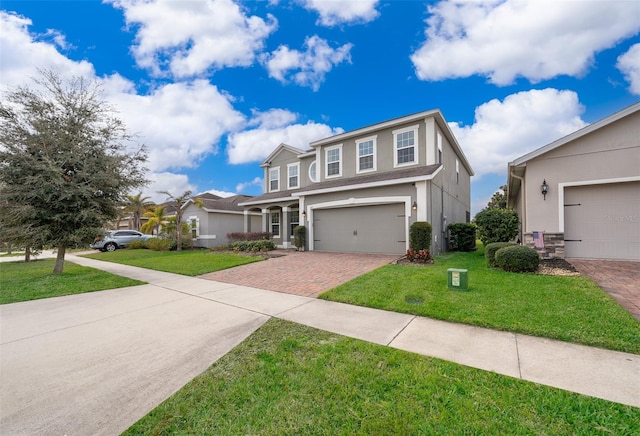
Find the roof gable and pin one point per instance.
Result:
(278, 150)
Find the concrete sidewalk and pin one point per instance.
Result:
(606, 374)
(95, 363)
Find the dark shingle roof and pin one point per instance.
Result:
(228, 203)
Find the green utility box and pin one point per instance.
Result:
(458, 279)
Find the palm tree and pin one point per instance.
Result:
(180, 202)
(156, 218)
(136, 205)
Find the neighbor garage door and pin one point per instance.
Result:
(603, 221)
(362, 229)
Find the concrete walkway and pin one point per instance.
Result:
(95, 363)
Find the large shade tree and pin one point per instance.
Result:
(66, 162)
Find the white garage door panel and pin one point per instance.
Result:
(362, 229)
(603, 221)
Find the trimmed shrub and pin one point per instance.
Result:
(462, 236)
(138, 244)
(491, 249)
(158, 244)
(253, 246)
(517, 259)
(420, 236)
(299, 236)
(496, 225)
(248, 236)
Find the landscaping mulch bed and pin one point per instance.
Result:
(557, 267)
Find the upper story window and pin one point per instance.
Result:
(439, 157)
(366, 154)
(274, 179)
(313, 172)
(293, 178)
(333, 157)
(405, 146)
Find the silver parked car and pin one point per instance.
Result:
(114, 239)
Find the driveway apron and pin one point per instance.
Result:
(619, 279)
(307, 273)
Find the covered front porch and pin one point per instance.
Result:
(278, 218)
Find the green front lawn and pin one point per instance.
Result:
(289, 379)
(189, 263)
(33, 280)
(571, 309)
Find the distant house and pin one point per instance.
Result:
(591, 204)
(359, 191)
(210, 223)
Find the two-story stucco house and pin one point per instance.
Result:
(359, 191)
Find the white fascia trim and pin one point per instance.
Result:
(231, 212)
(271, 200)
(375, 127)
(370, 185)
(416, 146)
(354, 202)
(306, 154)
(561, 187)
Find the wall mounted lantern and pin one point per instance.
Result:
(414, 206)
(544, 188)
(304, 215)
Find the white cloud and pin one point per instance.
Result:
(503, 40)
(179, 122)
(306, 68)
(256, 144)
(22, 53)
(629, 65)
(255, 182)
(523, 122)
(334, 12)
(173, 183)
(223, 194)
(189, 38)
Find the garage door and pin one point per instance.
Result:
(362, 229)
(603, 221)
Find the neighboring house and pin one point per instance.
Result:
(210, 223)
(591, 208)
(359, 191)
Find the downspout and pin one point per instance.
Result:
(523, 200)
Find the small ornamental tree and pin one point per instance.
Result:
(496, 225)
(66, 163)
(420, 236)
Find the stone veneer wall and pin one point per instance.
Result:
(553, 245)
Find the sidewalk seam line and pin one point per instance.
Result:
(518, 355)
(401, 330)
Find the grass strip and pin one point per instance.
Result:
(289, 379)
(189, 263)
(572, 309)
(34, 280)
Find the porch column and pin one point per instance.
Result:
(247, 221)
(285, 227)
(265, 220)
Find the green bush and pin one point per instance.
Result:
(420, 236)
(491, 249)
(299, 236)
(248, 236)
(496, 225)
(254, 246)
(158, 244)
(462, 236)
(138, 244)
(517, 259)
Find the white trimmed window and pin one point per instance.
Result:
(313, 172)
(274, 179)
(293, 175)
(366, 154)
(275, 224)
(405, 146)
(194, 226)
(333, 158)
(439, 157)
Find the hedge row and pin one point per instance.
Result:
(255, 246)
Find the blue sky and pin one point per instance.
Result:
(213, 86)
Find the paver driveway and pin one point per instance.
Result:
(620, 279)
(305, 273)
